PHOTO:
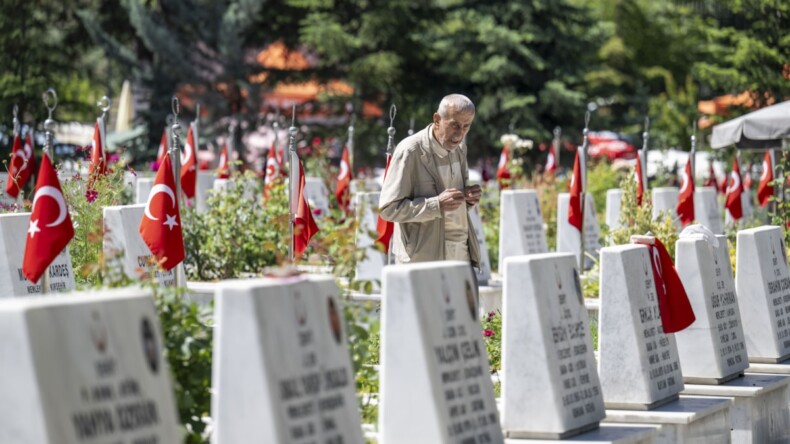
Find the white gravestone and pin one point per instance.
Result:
(142, 188)
(550, 386)
(223, 185)
(762, 282)
(5, 199)
(124, 246)
(712, 348)
(484, 271)
(369, 269)
(639, 366)
(130, 180)
(13, 236)
(569, 238)
(84, 368)
(706, 209)
(281, 365)
(614, 200)
(435, 385)
(203, 184)
(665, 200)
(317, 194)
(362, 185)
(520, 224)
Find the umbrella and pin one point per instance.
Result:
(761, 129)
(125, 108)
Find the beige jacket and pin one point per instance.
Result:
(410, 198)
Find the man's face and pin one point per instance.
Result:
(450, 131)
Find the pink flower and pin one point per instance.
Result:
(113, 157)
(488, 333)
(91, 195)
(316, 211)
(491, 315)
(154, 166)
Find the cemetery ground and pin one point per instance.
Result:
(235, 236)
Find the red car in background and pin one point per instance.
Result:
(610, 145)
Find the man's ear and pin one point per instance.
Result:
(436, 118)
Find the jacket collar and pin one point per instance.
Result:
(426, 155)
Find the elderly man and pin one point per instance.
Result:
(426, 193)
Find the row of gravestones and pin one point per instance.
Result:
(88, 368)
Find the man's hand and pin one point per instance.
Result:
(451, 199)
(472, 194)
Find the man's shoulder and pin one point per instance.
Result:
(412, 144)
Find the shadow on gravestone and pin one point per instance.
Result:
(281, 364)
(520, 224)
(435, 385)
(84, 367)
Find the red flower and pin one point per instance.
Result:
(91, 195)
(488, 333)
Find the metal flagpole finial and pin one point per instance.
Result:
(391, 130)
(694, 135)
(104, 105)
(175, 106)
(411, 126)
(586, 122)
(16, 119)
(292, 131)
(647, 128)
(49, 124)
(557, 132)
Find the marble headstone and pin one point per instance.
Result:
(712, 349)
(84, 368)
(569, 238)
(204, 183)
(142, 188)
(13, 236)
(222, 185)
(762, 282)
(5, 199)
(369, 269)
(484, 272)
(550, 386)
(706, 209)
(124, 246)
(362, 185)
(317, 194)
(665, 200)
(281, 365)
(614, 200)
(435, 385)
(639, 365)
(520, 224)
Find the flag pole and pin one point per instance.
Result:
(411, 127)
(693, 152)
(292, 132)
(49, 127)
(583, 173)
(104, 105)
(643, 154)
(232, 147)
(17, 133)
(390, 150)
(351, 145)
(556, 144)
(175, 157)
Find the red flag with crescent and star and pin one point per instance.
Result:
(160, 226)
(712, 181)
(502, 171)
(342, 191)
(160, 154)
(575, 201)
(189, 166)
(685, 207)
(673, 302)
(273, 172)
(223, 170)
(765, 190)
(384, 227)
(551, 161)
(50, 228)
(734, 191)
(21, 165)
(98, 163)
(304, 224)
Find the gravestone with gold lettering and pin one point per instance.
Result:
(84, 368)
(13, 236)
(435, 385)
(124, 246)
(762, 281)
(520, 224)
(281, 365)
(550, 386)
(569, 238)
(712, 349)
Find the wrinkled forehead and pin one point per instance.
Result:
(462, 117)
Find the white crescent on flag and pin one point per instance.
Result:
(502, 159)
(26, 154)
(159, 188)
(550, 161)
(736, 183)
(657, 262)
(686, 179)
(187, 155)
(343, 170)
(764, 174)
(271, 169)
(54, 193)
(222, 159)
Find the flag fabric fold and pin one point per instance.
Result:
(50, 228)
(21, 166)
(551, 161)
(304, 224)
(223, 169)
(160, 154)
(98, 164)
(734, 191)
(342, 190)
(575, 201)
(765, 190)
(385, 228)
(640, 187)
(685, 206)
(503, 171)
(272, 174)
(673, 302)
(712, 181)
(160, 226)
(189, 165)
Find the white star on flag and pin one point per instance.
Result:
(33, 229)
(171, 221)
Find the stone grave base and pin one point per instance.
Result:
(687, 420)
(779, 360)
(552, 436)
(759, 413)
(606, 433)
(640, 407)
(712, 381)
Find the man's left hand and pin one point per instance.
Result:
(472, 194)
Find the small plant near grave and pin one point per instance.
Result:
(489, 216)
(492, 338)
(364, 342)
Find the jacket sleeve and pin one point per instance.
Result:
(397, 202)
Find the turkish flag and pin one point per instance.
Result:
(673, 302)
(160, 226)
(384, 227)
(273, 172)
(575, 202)
(223, 170)
(712, 181)
(50, 228)
(160, 154)
(685, 207)
(640, 187)
(304, 225)
(21, 165)
(502, 171)
(98, 163)
(189, 166)
(747, 178)
(342, 190)
(734, 190)
(765, 190)
(551, 161)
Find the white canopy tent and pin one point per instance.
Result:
(765, 128)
